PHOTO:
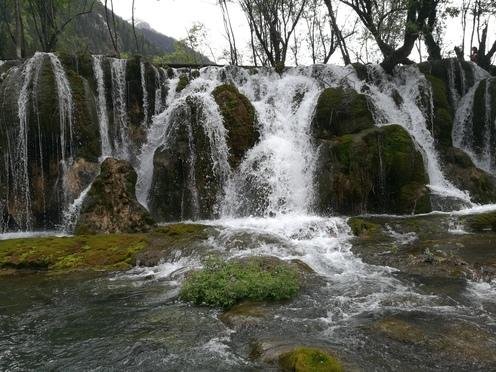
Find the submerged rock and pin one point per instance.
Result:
(378, 170)
(111, 205)
(341, 111)
(239, 121)
(293, 355)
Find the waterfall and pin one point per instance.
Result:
(159, 106)
(165, 125)
(145, 93)
(276, 176)
(101, 107)
(20, 172)
(119, 102)
(410, 84)
(464, 134)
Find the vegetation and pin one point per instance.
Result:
(225, 283)
(306, 359)
(482, 222)
(99, 252)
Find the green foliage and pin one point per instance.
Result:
(223, 284)
(305, 359)
(361, 227)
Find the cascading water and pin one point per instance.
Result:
(101, 107)
(409, 84)
(20, 173)
(164, 126)
(278, 171)
(474, 132)
(120, 133)
(145, 93)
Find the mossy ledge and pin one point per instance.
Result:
(113, 252)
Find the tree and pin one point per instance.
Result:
(387, 20)
(231, 39)
(51, 17)
(273, 22)
(112, 27)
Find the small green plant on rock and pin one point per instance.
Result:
(225, 283)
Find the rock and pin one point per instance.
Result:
(442, 125)
(340, 111)
(185, 183)
(482, 222)
(465, 175)
(426, 248)
(378, 170)
(183, 83)
(456, 340)
(244, 314)
(111, 205)
(81, 253)
(296, 356)
(239, 121)
(78, 176)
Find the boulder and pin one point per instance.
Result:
(111, 205)
(341, 111)
(239, 121)
(186, 183)
(461, 170)
(378, 170)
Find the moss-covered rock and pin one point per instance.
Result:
(239, 121)
(482, 222)
(185, 183)
(362, 227)
(305, 359)
(223, 284)
(461, 170)
(98, 252)
(183, 83)
(377, 170)
(341, 111)
(442, 122)
(111, 205)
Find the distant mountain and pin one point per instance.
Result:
(89, 33)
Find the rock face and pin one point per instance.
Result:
(111, 205)
(377, 170)
(188, 173)
(341, 111)
(239, 121)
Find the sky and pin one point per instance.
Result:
(174, 17)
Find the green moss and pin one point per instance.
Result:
(305, 359)
(183, 83)
(96, 252)
(239, 120)
(443, 113)
(483, 221)
(339, 112)
(361, 227)
(223, 284)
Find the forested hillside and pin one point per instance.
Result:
(81, 26)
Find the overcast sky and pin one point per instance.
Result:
(174, 17)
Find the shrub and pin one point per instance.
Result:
(225, 283)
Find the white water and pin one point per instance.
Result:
(21, 186)
(145, 93)
(101, 107)
(281, 165)
(165, 126)
(119, 103)
(408, 82)
(463, 130)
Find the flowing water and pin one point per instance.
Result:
(134, 320)
(120, 133)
